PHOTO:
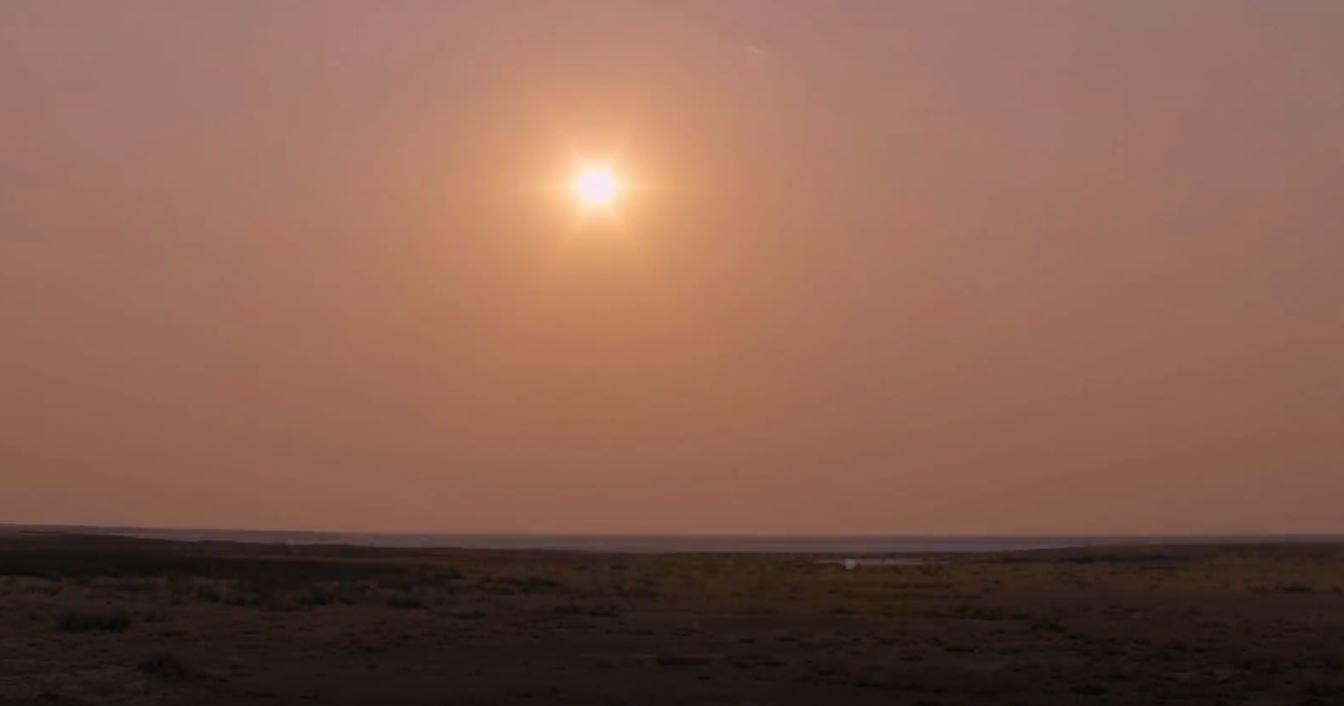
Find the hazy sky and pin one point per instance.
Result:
(886, 266)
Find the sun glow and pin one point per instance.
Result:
(597, 187)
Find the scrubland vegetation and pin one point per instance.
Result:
(102, 620)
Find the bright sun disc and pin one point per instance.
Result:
(597, 186)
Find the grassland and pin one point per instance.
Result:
(105, 620)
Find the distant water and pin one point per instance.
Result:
(658, 544)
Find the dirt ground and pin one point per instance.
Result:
(104, 620)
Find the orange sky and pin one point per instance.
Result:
(893, 267)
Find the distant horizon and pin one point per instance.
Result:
(691, 534)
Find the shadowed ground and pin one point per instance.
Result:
(106, 620)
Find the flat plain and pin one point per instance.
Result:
(109, 620)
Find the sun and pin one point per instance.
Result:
(597, 187)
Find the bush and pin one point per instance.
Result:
(1045, 624)
(970, 611)
(406, 602)
(168, 666)
(88, 620)
(531, 584)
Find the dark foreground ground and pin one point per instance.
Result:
(102, 620)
